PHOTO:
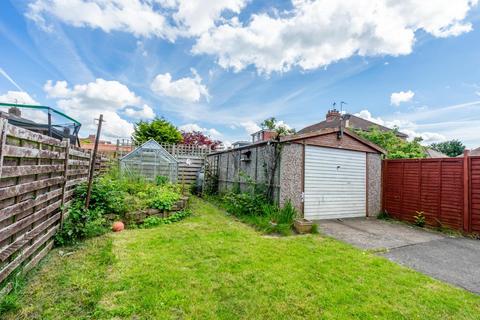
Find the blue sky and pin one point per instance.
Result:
(225, 66)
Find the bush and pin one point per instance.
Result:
(80, 224)
(164, 199)
(161, 180)
(244, 204)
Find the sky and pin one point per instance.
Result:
(221, 67)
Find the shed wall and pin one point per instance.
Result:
(374, 184)
(331, 140)
(291, 175)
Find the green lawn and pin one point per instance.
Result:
(210, 266)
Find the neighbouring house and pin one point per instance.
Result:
(472, 153)
(327, 174)
(107, 148)
(238, 144)
(262, 135)
(334, 119)
(432, 154)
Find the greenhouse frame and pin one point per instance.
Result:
(149, 161)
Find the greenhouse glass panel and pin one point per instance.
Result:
(149, 161)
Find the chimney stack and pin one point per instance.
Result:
(15, 111)
(333, 115)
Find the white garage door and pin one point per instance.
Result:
(334, 183)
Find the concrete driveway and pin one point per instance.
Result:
(452, 259)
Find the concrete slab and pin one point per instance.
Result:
(372, 233)
(455, 260)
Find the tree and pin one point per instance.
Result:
(158, 129)
(451, 148)
(199, 139)
(278, 126)
(396, 147)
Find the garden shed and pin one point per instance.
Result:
(327, 174)
(149, 161)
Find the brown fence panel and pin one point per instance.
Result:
(37, 176)
(432, 186)
(475, 194)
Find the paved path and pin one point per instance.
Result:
(452, 259)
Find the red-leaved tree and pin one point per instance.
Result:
(199, 139)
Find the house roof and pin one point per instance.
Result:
(431, 153)
(325, 131)
(354, 122)
(473, 152)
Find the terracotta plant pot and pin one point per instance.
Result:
(303, 226)
(118, 226)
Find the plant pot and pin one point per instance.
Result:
(303, 226)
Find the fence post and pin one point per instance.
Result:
(466, 192)
(65, 174)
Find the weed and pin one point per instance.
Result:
(419, 219)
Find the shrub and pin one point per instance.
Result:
(244, 204)
(419, 219)
(161, 180)
(81, 223)
(164, 199)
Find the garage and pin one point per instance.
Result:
(335, 183)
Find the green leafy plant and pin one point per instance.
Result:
(451, 148)
(383, 215)
(164, 199)
(154, 221)
(419, 219)
(161, 180)
(80, 224)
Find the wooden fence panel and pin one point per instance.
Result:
(37, 175)
(432, 186)
(475, 194)
(188, 173)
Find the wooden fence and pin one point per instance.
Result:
(446, 190)
(37, 177)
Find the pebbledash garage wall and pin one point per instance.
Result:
(253, 161)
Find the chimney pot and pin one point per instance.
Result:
(333, 115)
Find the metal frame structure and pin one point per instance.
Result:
(149, 161)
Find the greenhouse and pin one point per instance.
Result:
(150, 160)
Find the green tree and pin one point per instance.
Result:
(279, 127)
(451, 148)
(396, 148)
(158, 129)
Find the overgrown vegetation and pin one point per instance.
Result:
(154, 221)
(396, 147)
(451, 148)
(113, 195)
(210, 267)
(255, 208)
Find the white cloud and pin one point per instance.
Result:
(316, 33)
(408, 127)
(191, 127)
(187, 89)
(403, 96)
(161, 18)
(250, 126)
(140, 113)
(85, 102)
(22, 97)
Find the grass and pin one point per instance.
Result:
(210, 266)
